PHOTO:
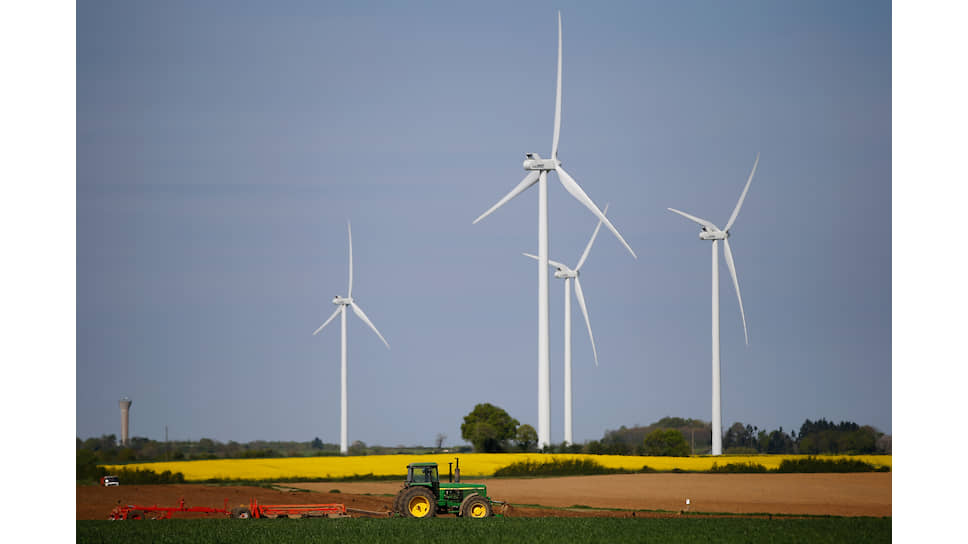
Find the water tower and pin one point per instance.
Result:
(125, 404)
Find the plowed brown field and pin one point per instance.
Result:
(864, 494)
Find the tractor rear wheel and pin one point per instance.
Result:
(398, 501)
(419, 502)
(475, 506)
(135, 514)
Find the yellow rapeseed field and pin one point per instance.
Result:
(472, 464)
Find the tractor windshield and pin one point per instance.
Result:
(424, 474)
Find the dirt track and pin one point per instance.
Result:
(864, 494)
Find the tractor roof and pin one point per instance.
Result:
(422, 465)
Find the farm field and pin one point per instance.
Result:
(550, 530)
(858, 494)
(472, 465)
(618, 495)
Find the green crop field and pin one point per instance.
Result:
(512, 531)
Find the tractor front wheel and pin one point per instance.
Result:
(475, 506)
(419, 502)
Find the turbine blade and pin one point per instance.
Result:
(349, 231)
(552, 264)
(528, 181)
(742, 197)
(572, 187)
(732, 272)
(581, 303)
(588, 248)
(338, 308)
(359, 313)
(703, 222)
(554, 144)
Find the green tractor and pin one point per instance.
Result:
(424, 495)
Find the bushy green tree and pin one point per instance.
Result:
(488, 428)
(666, 442)
(739, 436)
(526, 437)
(824, 436)
(87, 469)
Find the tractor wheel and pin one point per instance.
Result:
(419, 502)
(135, 514)
(398, 502)
(241, 512)
(475, 506)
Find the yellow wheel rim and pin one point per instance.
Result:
(478, 511)
(419, 507)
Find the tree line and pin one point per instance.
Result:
(106, 450)
(491, 429)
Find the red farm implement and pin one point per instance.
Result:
(254, 510)
(272, 511)
(134, 511)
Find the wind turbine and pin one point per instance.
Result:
(342, 303)
(563, 272)
(712, 232)
(538, 169)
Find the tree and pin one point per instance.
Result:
(526, 437)
(667, 442)
(488, 428)
(358, 447)
(845, 437)
(440, 440)
(317, 444)
(779, 442)
(87, 468)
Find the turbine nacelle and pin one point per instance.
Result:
(535, 162)
(713, 234)
(565, 273)
(344, 301)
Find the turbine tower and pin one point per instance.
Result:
(712, 232)
(125, 404)
(563, 272)
(342, 303)
(538, 169)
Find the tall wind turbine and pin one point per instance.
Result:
(342, 303)
(538, 169)
(563, 272)
(712, 232)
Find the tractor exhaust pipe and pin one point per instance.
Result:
(457, 469)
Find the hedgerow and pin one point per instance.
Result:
(556, 467)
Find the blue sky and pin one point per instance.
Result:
(221, 148)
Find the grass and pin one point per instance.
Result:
(512, 530)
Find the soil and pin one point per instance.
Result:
(617, 495)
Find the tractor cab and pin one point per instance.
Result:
(422, 473)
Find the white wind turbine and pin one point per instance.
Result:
(538, 169)
(342, 303)
(712, 232)
(563, 272)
